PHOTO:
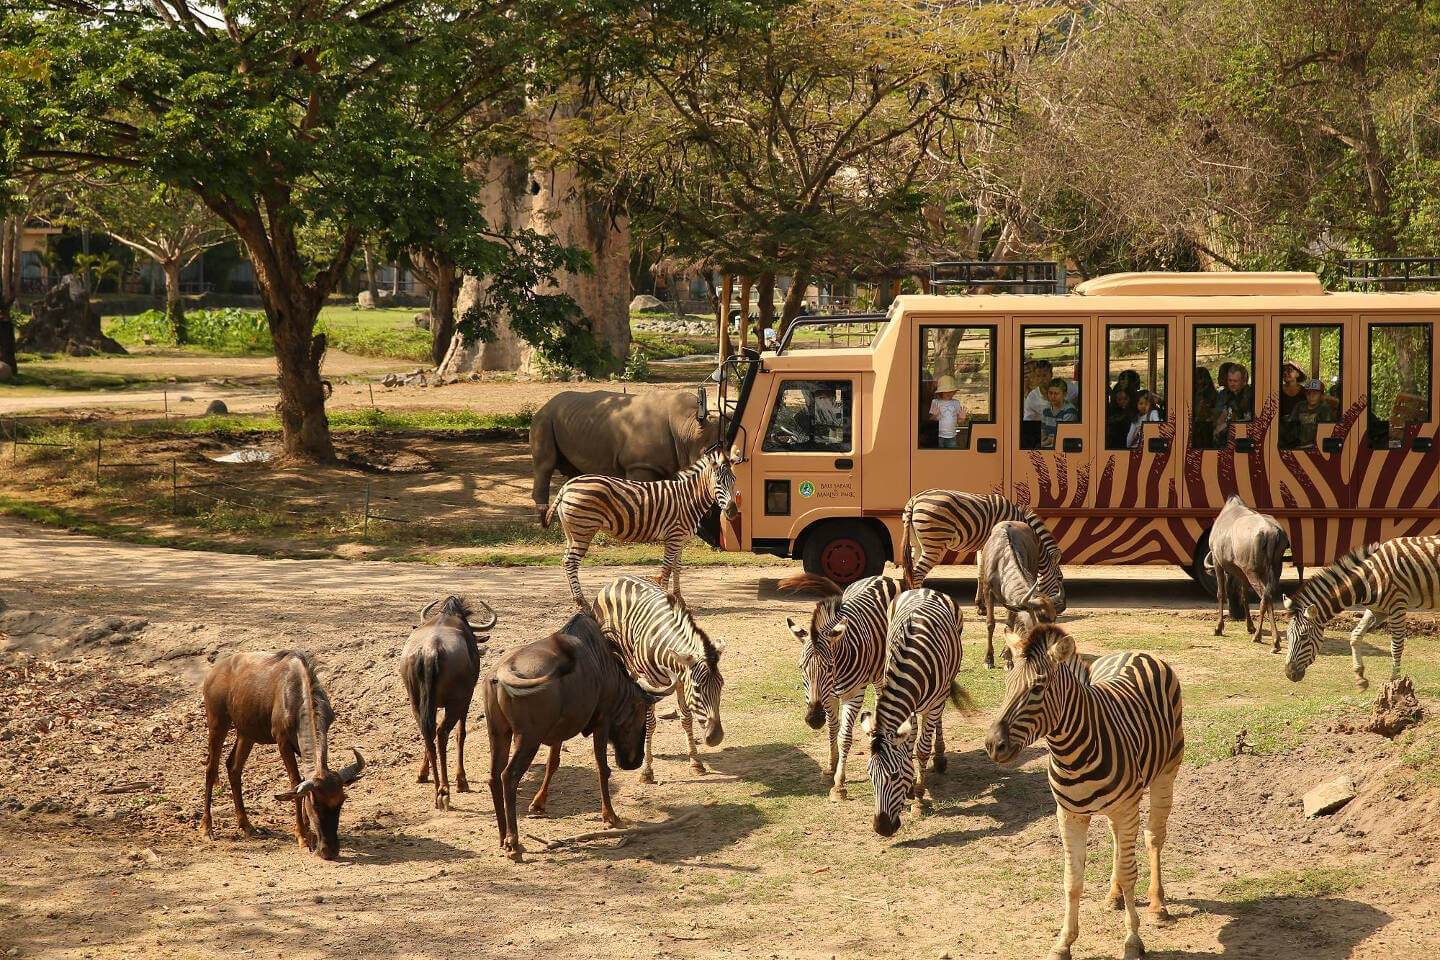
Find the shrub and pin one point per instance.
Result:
(637, 366)
(136, 327)
(228, 329)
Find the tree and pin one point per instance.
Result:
(291, 120)
(168, 225)
(21, 197)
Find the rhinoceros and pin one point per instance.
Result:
(649, 436)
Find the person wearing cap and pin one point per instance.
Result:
(1304, 416)
(948, 411)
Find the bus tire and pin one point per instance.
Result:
(1204, 579)
(844, 551)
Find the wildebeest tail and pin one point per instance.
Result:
(422, 681)
(810, 581)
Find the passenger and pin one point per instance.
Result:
(1292, 388)
(949, 412)
(1118, 414)
(1235, 402)
(1315, 410)
(1145, 412)
(1057, 410)
(1038, 374)
(1204, 405)
(1129, 381)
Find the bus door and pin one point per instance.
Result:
(1396, 460)
(958, 441)
(1228, 407)
(1056, 411)
(1136, 462)
(1311, 445)
(807, 466)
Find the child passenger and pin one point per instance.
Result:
(1057, 411)
(948, 411)
(1145, 412)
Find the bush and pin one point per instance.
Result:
(228, 329)
(637, 366)
(136, 327)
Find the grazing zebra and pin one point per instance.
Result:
(842, 653)
(1114, 731)
(1387, 578)
(1009, 576)
(922, 657)
(633, 511)
(938, 521)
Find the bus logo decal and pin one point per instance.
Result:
(807, 489)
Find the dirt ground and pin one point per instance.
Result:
(100, 773)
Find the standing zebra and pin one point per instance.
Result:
(633, 511)
(938, 521)
(842, 653)
(1114, 731)
(1009, 576)
(922, 657)
(1388, 579)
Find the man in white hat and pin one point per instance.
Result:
(948, 411)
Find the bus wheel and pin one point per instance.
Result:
(844, 551)
(1204, 579)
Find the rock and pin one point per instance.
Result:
(367, 302)
(644, 303)
(62, 321)
(1329, 796)
(6, 372)
(216, 408)
(422, 320)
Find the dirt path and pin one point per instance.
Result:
(93, 700)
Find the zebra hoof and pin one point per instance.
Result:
(699, 767)
(940, 764)
(838, 793)
(647, 776)
(1059, 953)
(1362, 684)
(1160, 914)
(1134, 949)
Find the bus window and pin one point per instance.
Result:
(811, 416)
(1311, 361)
(1135, 374)
(1050, 370)
(957, 387)
(1222, 394)
(1399, 381)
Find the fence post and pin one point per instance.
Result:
(97, 459)
(166, 394)
(174, 485)
(365, 530)
(371, 385)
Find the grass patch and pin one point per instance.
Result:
(352, 421)
(1309, 882)
(65, 378)
(387, 332)
(669, 346)
(1272, 727)
(1421, 753)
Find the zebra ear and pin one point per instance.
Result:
(837, 630)
(1289, 603)
(1312, 612)
(902, 732)
(1062, 648)
(1007, 655)
(799, 631)
(867, 724)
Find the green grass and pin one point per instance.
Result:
(1421, 753)
(388, 332)
(1306, 882)
(64, 378)
(1270, 727)
(341, 421)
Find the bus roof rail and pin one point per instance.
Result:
(1236, 284)
(856, 321)
(1402, 271)
(997, 276)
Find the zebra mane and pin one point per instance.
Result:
(1320, 586)
(687, 619)
(706, 461)
(1039, 639)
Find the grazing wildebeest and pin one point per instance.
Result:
(1247, 549)
(649, 436)
(276, 698)
(545, 692)
(1009, 574)
(439, 667)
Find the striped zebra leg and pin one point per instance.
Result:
(938, 763)
(928, 723)
(1367, 621)
(1162, 792)
(688, 722)
(849, 710)
(669, 576)
(1124, 826)
(647, 772)
(576, 546)
(1074, 828)
(832, 726)
(1397, 642)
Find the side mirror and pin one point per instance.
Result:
(702, 405)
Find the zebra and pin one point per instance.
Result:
(936, 522)
(1009, 576)
(1387, 578)
(923, 655)
(841, 654)
(1114, 730)
(635, 511)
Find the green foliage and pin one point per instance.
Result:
(224, 330)
(637, 366)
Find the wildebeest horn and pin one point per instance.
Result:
(494, 617)
(653, 691)
(1033, 589)
(425, 613)
(350, 772)
(301, 788)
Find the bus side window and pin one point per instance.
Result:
(1221, 393)
(811, 416)
(1135, 371)
(1311, 361)
(956, 385)
(1050, 372)
(1399, 386)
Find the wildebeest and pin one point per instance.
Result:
(1009, 575)
(277, 698)
(1247, 549)
(650, 436)
(439, 667)
(545, 692)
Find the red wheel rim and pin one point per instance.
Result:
(843, 560)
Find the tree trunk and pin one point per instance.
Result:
(174, 306)
(793, 298)
(442, 310)
(745, 313)
(370, 283)
(767, 304)
(298, 352)
(724, 340)
(395, 281)
(10, 229)
(7, 336)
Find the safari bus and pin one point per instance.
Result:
(1124, 413)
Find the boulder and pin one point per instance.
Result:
(644, 303)
(1329, 796)
(62, 321)
(367, 302)
(6, 373)
(422, 320)
(216, 408)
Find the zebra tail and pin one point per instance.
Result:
(907, 537)
(549, 516)
(961, 697)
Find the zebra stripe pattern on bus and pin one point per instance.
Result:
(1114, 730)
(633, 511)
(923, 655)
(1388, 579)
(665, 650)
(841, 654)
(937, 522)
